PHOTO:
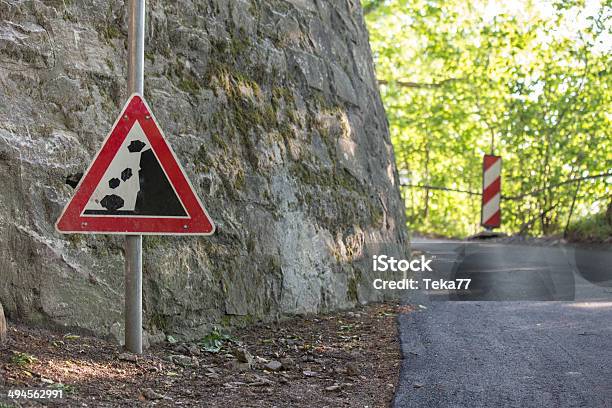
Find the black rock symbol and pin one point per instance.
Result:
(114, 183)
(136, 146)
(126, 174)
(112, 202)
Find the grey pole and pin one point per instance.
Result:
(133, 243)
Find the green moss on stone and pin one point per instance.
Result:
(160, 321)
(218, 140)
(152, 242)
(109, 64)
(239, 45)
(111, 32)
(240, 180)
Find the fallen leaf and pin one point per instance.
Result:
(72, 337)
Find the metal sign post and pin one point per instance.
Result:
(135, 185)
(133, 243)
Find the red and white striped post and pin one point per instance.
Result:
(491, 191)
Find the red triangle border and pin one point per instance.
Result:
(198, 222)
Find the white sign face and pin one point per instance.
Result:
(135, 184)
(121, 178)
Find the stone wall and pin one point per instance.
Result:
(273, 109)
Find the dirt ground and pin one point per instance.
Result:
(347, 359)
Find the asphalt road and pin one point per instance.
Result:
(534, 330)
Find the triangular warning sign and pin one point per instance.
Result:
(135, 184)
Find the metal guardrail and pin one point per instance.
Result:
(517, 197)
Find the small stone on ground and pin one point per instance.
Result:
(274, 365)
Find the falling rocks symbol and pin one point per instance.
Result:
(135, 184)
(156, 197)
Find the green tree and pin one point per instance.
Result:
(529, 81)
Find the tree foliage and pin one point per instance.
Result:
(529, 81)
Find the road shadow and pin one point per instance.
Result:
(516, 272)
(503, 273)
(594, 263)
